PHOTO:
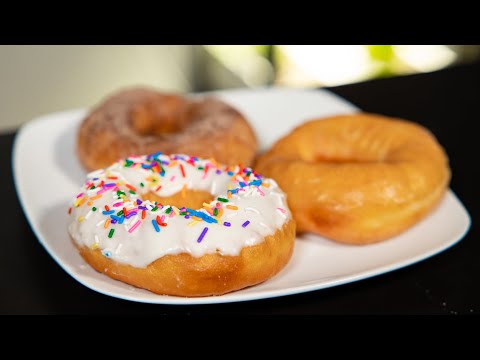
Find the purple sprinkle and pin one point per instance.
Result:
(164, 162)
(202, 235)
(218, 171)
(139, 202)
(142, 207)
(227, 224)
(95, 178)
(113, 221)
(109, 185)
(245, 224)
(130, 214)
(187, 216)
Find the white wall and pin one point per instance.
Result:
(35, 80)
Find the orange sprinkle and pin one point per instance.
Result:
(125, 213)
(232, 207)
(158, 188)
(144, 213)
(90, 203)
(197, 218)
(69, 211)
(184, 191)
(220, 212)
(112, 177)
(229, 195)
(107, 208)
(131, 187)
(173, 163)
(96, 197)
(267, 185)
(159, 222)
(107, 222)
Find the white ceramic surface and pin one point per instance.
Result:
(47, 173)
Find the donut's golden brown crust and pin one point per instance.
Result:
(358, 178)
(210, 274)
(141, 121)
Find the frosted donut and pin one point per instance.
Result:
(141, 121)
(130, 222)
(358, 178)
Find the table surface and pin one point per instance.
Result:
(445, 101)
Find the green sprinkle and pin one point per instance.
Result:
(94, 208)
(183, 213)
(141, 184)
(155, 208)
(93, 187)
(110, 234)
(222, 199)
(248, 174)
(215, 212)
(200, 168)
(168, 210)
(120, 213)
(128, 163)
(132, 192)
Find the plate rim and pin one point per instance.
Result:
(230, 297)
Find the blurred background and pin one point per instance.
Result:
(36, 80)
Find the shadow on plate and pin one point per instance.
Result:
(66, 156)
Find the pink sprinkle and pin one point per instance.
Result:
(101, 191)
(282, 210)
(117, 204)
(172, 178)
(260, 191)
(134, 226)
(162, 218)
(115, 188)
(79, 195)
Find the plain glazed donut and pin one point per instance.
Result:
(143, 121)
(125, 224)
(358, 178)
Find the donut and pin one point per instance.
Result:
(137, 121)
(358, 178)
(130, 222)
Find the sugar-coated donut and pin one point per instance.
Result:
(139, 121)
(129, 222)
(358, 178)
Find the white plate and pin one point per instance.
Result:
(47, 173)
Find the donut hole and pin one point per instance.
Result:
(159, 116)
(192, 199)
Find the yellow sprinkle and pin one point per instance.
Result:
(192, 223)
(220, 212)
(197, 218)
(232, 207)
(94, 246)
(79, 202)
(184, 191)
(80, 218)
(207, 205)
(175, 210)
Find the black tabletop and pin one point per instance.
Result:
(446, 102)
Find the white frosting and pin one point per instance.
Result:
(136, 242)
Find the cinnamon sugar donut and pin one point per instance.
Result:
(150, 221)
(358, 178)
(142, 121)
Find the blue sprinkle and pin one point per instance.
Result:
(230, 173)
(155, 225)
(107, 212)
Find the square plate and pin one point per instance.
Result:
(47, 173)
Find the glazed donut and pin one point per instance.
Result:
(139, 121)
(129, 222)
(358, 178)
